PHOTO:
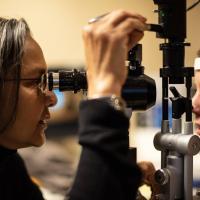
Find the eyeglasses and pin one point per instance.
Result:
(41, 82)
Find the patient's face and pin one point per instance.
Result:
(196, 102)
(32, 110)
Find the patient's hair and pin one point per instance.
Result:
(198, 53)
(13, 33)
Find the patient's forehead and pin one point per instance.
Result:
(33, 62)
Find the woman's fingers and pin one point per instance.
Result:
(106, 42)
(118, 16)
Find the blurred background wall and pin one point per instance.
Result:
(57, 24)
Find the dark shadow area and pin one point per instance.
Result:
(62, 129)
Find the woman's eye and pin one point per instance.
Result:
(36, 82)
(32, 83)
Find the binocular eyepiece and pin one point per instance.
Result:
(139, 90)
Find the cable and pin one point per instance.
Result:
(194, 5)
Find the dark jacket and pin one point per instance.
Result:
(105, 171)
(15, 182)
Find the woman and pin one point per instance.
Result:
(24, 106)
(105, 170)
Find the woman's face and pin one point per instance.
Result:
(196, 102)
(32, 111)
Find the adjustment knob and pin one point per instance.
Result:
(162, 176)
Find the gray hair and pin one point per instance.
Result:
(13, 33)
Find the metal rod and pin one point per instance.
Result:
(188, 101)
(188, 167)
(164, 153)
(188, 177)
(165, 98)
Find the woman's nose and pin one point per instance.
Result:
(50, 99)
